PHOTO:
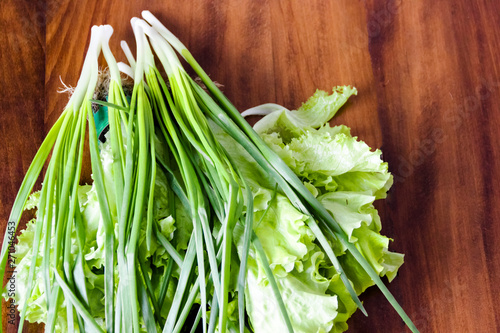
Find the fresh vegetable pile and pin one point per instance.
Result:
(195, 220)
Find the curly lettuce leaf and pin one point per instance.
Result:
(316, 111)
(331, 159)
(284, 235)
(308, 310)
(347, 177)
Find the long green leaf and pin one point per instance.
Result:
(146, 299)
(27, 185)
(227, 124)
(186, 269)
(109, 248)
(272, 282)
(91, 324)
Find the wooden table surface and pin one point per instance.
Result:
(428, 75)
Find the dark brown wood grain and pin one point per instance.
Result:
(22, 106)
(428, 76)
(437, 74)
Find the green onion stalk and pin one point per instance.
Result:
(72, 284)
(112, 211)
(135, 172)
(205, 169)
(163, 127)
(201, 160)
(228, 118)
(59, 211)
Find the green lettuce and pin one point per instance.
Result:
(342, 172)
(346, 176)
(296, 262)
(94, 278)
(331, 159)
(156, 256)
(318, 110)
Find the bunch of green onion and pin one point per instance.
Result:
(163, 114)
